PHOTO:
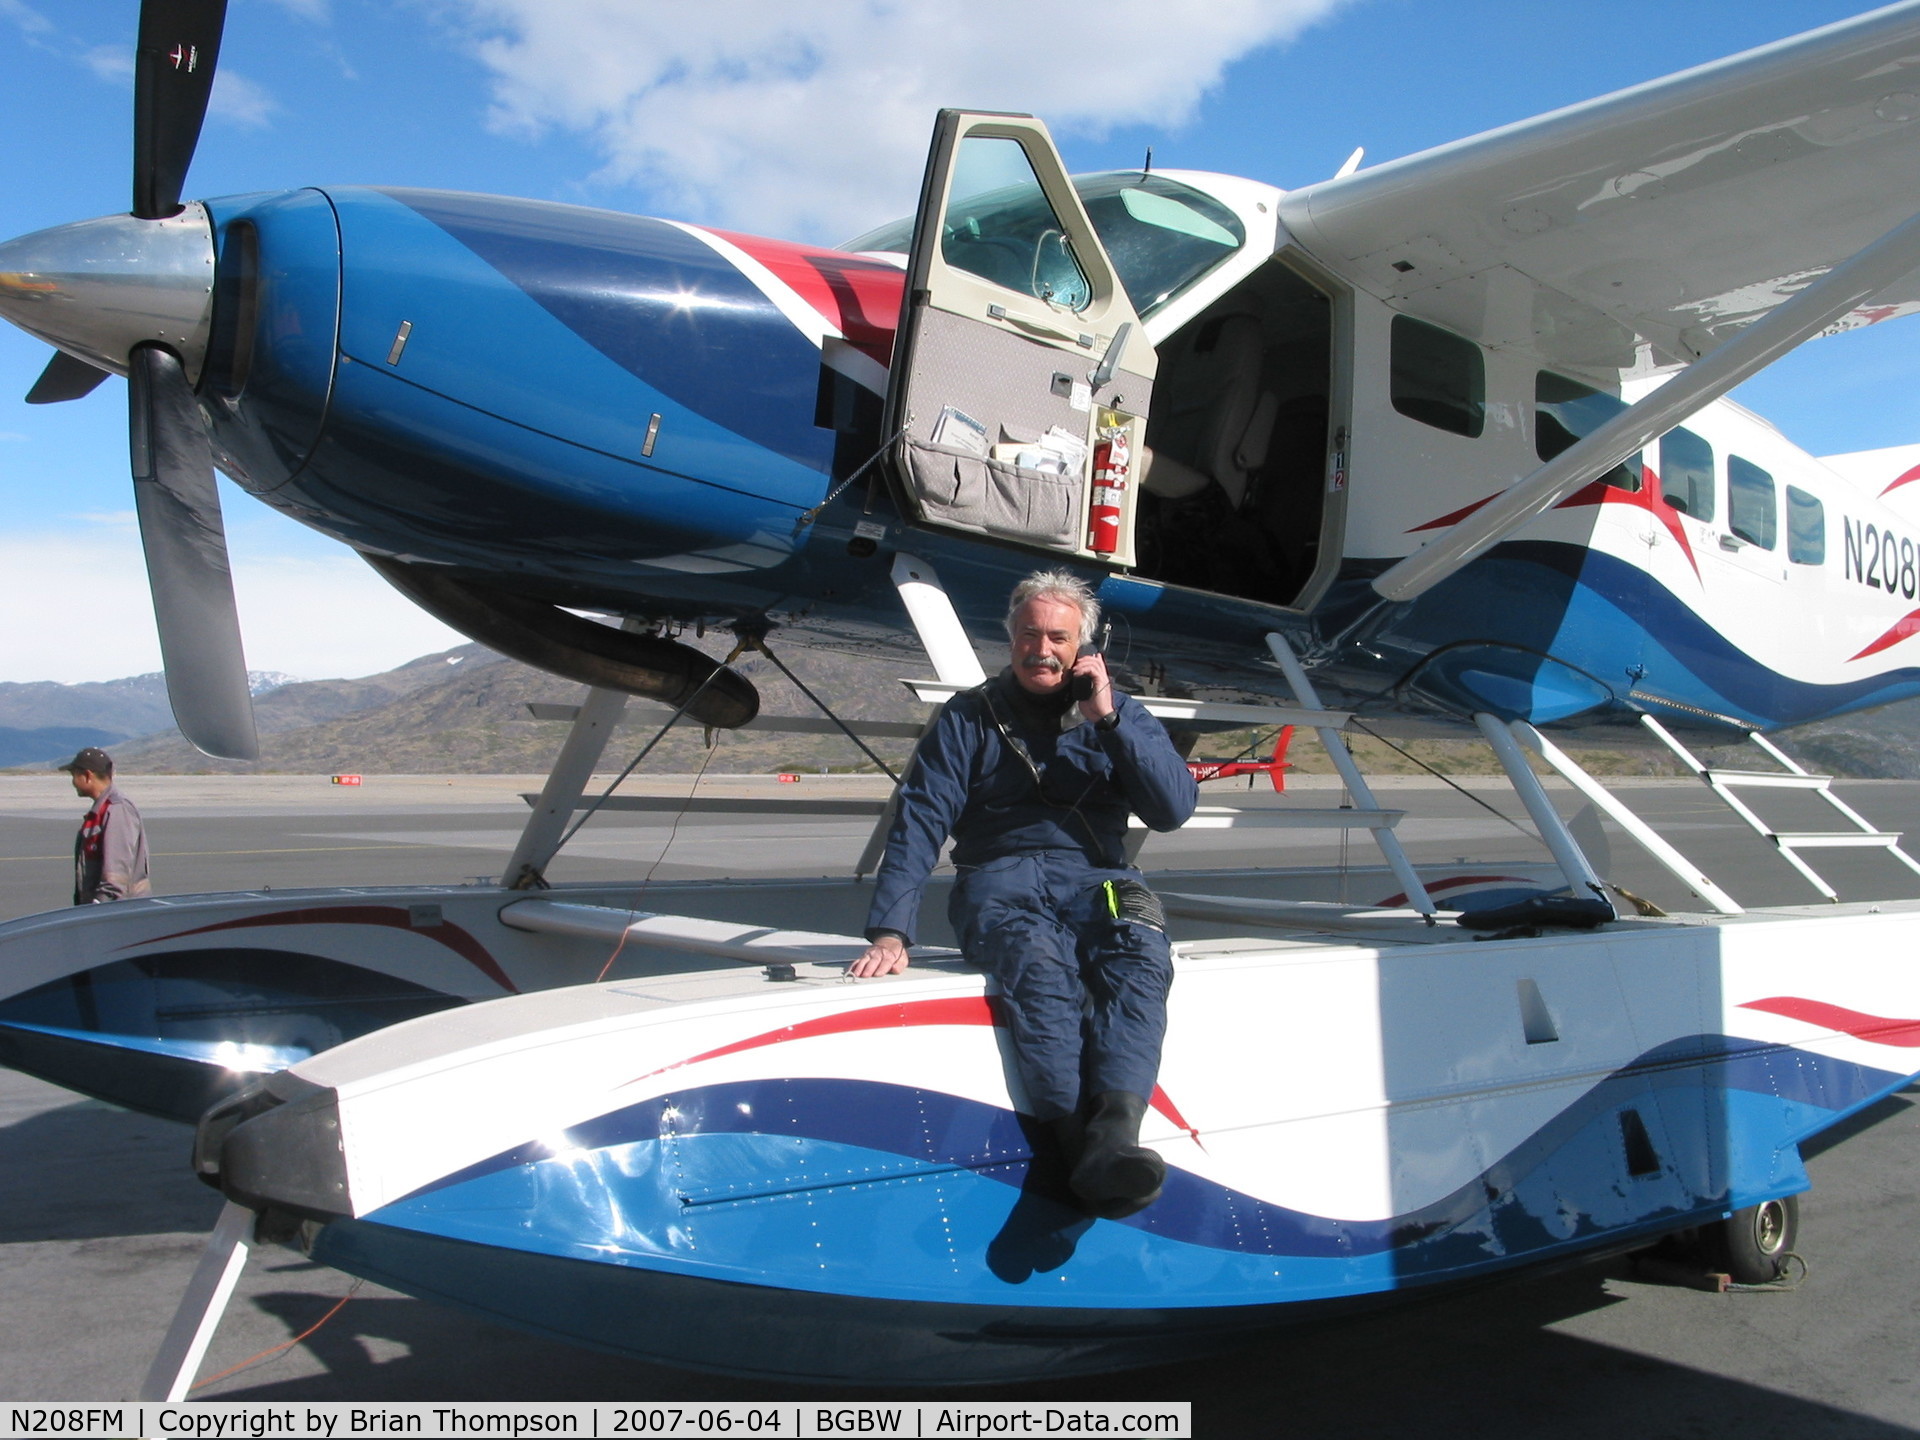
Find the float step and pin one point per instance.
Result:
(1773, 778)
(1838, 840)
(1229, 817)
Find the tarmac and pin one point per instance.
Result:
(101, 1221)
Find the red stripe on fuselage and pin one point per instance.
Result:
(859, 297)
(1907, 479)
(1874, 1029)
(1452, 517)
(1647, 498)
(1908, 624)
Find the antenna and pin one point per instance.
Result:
(1147, 168)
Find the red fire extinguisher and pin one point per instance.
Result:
(1112, 461)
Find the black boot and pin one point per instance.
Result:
(1117, 1176)
(1046, 1222)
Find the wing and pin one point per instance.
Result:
(1667, 215)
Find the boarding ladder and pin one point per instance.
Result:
(1790, 843)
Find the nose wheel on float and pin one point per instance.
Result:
(1752, 1245)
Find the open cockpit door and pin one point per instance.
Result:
(1021, 375)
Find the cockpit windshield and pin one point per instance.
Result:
(1161, 235)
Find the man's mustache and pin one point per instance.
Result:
(1042, 662)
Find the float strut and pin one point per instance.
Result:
(1579, 872)
(945, 640)
(205, 1301)
(586, 742)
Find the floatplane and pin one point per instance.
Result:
(1440, 440)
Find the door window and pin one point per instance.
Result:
(1000, 226)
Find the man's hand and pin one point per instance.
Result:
(886, 956)
(1100, 704)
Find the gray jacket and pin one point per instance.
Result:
(110, 852)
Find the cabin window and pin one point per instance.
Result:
(1000, 225)
(1438, 378)
(1686, 474)
(1752, 511)
(1806, 528)
(1565, 411)
(1160, 235)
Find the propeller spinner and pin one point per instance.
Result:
(132, 295)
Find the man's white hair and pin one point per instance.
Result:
(1062, 585)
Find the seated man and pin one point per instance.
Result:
(1035, 789)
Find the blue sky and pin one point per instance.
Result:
(778, 116)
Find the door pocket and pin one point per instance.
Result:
(992, 497)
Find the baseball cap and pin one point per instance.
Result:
(93, 760)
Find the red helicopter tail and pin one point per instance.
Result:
(1274, 769)
(1277, 767)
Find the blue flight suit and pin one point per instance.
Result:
(1083, 966)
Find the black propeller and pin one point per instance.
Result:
(186, 546)
(172, 78)
(174, 488)
(66, 378)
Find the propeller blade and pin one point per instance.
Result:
(65, 378)
(187, 568)
(172, 78)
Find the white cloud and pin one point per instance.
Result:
(116, 519)
(110, 62)
(240, 100)
(814, 119)
(31, 21)
(75, 607)
(328, 615)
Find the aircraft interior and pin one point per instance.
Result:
(1238, 438)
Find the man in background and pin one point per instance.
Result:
(110, 852)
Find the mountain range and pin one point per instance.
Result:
(465, 711)
(459, 711)
(45, 721)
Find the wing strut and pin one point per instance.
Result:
(1840, 290)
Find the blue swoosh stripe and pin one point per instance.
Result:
(930, 1131)
(1686, 659)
